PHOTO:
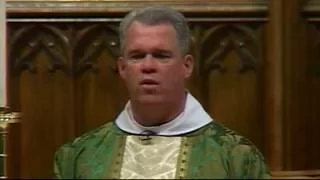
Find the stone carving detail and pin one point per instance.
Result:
(212, 44)
(91, 42)
(70, 53)
(28, 41)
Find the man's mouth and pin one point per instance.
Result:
(149, 85)
(149, 82)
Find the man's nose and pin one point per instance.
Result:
(148, 64)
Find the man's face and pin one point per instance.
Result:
(152, 65)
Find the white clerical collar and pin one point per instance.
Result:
(192, 118)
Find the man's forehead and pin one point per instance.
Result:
(137, 23)
(143, 37)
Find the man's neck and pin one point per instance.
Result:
(157, 114)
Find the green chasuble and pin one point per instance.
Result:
(212, 152)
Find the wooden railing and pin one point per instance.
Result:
(301, 174)
(9, 143)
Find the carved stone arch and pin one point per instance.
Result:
(30, 40)
(91, 42)
(229, 37)
(249, 56)
(215, 58)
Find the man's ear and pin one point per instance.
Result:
(121, 67)
(188, 65)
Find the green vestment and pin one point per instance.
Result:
(212, 152)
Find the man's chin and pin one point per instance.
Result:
(150, 99)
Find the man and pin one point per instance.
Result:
(163, 132)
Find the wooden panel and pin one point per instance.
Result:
(273, 86)
(229, 75)
(99, 91)
(304, 127)
(311, 97)
(302, 85)
(66, 83)
(40, 74)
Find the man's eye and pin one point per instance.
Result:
(137, 56)
(161, 56)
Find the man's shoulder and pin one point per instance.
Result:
(85, 144)
(227, 137)
(238, 150)
(234, 143)
(91, 136)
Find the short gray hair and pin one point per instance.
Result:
(155, 15)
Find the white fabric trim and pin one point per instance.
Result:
(192, 118)
(155, 160)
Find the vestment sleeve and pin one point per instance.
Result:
(64, 162)
(248, 163)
